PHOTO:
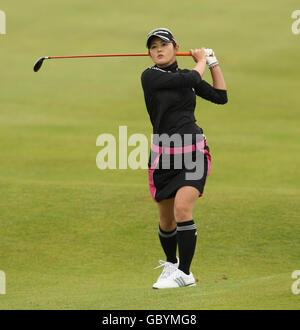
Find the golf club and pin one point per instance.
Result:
(40, 61)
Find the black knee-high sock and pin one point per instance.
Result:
(186, 239)
(168, 242)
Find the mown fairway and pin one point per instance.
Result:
(75, 237)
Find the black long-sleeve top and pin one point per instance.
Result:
(170, 96)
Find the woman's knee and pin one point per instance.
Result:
(182, 212)
(184, 203)
(167, 223)
(166, 215)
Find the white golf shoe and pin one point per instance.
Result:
(175, 280)
(169, 268)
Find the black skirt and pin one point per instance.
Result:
(171, 168)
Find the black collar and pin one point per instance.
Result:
(173, 67)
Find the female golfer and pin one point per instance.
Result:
(179, 161)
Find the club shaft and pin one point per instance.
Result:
(112, 55)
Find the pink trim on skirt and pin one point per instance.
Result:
(151, 183)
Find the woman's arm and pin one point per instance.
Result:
(200, 58)
(217, 77)
(218, 92)
(156, 78)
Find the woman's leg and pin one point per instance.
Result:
(167, 229)
(186, 229)
(184, 203)
(166, 214)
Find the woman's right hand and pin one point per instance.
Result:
(198, 54)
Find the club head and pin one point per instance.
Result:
(38, 64)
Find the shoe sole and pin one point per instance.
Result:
(185, 286)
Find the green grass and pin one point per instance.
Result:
(75, 237)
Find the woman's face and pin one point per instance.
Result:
(162, 53)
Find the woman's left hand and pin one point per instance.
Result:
(198, 54)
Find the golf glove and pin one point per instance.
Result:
(211, 59)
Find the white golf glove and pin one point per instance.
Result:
(211, 59)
